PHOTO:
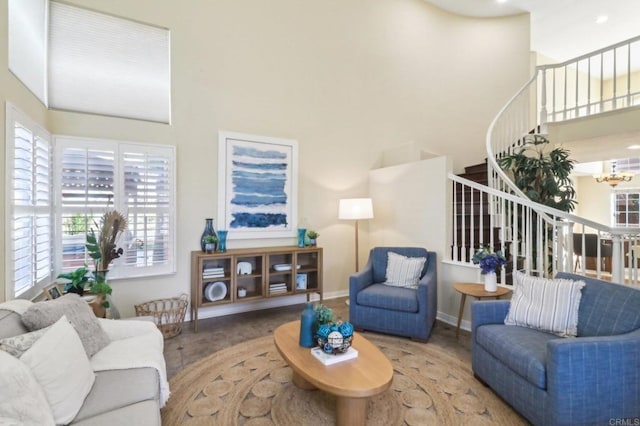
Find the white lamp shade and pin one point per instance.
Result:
(355, 208)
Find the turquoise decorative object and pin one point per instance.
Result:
(335, 338)
(346, 329)
(323, 331)
(307, 320)
(302, 233)
(222, 240)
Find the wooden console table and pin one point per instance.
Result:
(262, 274)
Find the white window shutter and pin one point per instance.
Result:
(148, 199)
(137, 180)
(29, 230)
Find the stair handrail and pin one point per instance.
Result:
(523, 114)
(560, 219)
(497, 177)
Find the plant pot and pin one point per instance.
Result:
(97, 306)
(77, 290)
(209, 248)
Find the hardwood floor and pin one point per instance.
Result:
(218, 333)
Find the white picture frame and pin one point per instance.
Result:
(257, 186)
(301, 281)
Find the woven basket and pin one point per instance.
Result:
(168, 314)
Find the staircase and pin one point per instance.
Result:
(490, 210)
(474, 219)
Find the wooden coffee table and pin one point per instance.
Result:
(352, 381)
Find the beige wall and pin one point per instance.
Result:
(349, 79)
(407, 207)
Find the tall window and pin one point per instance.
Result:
(626, 207)
(29, 219)
(137, 180)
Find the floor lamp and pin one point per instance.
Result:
(355, 209)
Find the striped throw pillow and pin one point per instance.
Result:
(545, 304)
(403, 271)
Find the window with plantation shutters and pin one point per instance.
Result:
(138, 181)
(29, 221)
(148, 181)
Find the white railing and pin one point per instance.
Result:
(601, 81)
(538, 238)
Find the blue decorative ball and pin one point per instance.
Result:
(334, 327)
(328, 348)
(323, 331)
(346, 329)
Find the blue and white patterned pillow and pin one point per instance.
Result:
(545, 304)
(403, 271)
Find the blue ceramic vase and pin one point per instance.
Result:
(307, 319)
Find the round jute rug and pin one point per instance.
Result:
(250, 384)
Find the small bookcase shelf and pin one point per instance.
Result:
(257, 273)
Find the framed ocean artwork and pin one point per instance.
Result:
(257, 186)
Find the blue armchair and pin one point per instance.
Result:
(590, 379)
(394, 310)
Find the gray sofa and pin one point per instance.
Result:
(593, 378)
(119, 396)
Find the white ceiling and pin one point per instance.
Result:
(561, 29)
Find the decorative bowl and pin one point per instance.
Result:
(335, 338)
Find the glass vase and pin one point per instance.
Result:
(222, 240)
(302, 233)
(208, 230)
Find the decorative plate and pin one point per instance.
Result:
(215, 291)
(284, 267)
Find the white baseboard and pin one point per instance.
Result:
(450, 319)
(276, 302)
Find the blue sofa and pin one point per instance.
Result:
(590, 379)
(394, 310)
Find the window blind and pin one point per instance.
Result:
(29, 242)
(107, 65)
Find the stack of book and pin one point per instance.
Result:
(277, 288)
(212, 272)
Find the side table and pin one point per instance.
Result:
(476, 290)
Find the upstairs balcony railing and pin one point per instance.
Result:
(540, 239)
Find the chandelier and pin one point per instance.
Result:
(614, 178)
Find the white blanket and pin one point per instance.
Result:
(134, 344)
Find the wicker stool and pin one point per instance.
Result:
(168, 314)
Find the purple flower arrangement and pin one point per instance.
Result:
(489, 260)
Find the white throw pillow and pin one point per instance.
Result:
(545, 304)
(403, 271)
(79, 314)
(22, 401)
(60, 365)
